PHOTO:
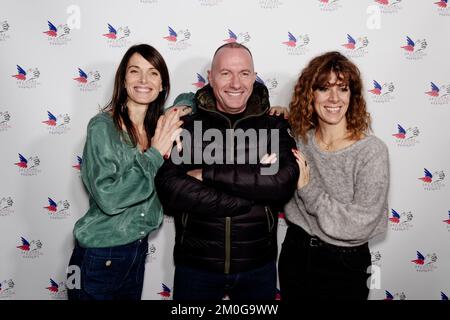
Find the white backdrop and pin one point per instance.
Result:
(407, 88)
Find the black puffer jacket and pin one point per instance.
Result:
(228, 222)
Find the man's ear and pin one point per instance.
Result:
(209, 78)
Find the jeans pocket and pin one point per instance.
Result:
(103, 275)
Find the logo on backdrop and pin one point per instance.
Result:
(241, 37)
(6, 206)
(444, 297)
(27, 79)
(168, 219)
(329, 5)
(57, 124)
(166, 293)
(4, 27)
(382, 93)
(57, 36)
(447, 222)
(425, 263)
(406, 137)
(30, 249)
(57, 209)
(442, 7)
(7, 289)
(117, 37)
(415, 49)
(209, 3)
(439, 94)
(395, 296)
(201, 81)
(78, 164)
(376, 258)
(278, 295)
(28, 166)
(297, 45)
(57, 290)
(282, 220)
(88, 81)
(151, 255)
(389, 6)
(178, 40)
(400, 221)
(270, 4)
(433, 181)
(356, 47)
(270, 83)
(5, 117)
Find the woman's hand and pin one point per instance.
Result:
(184, 110)
(167, 131)
(278, 111)
(303, 179)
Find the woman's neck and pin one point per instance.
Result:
(137, 116)
(333, 137)
(329, 133)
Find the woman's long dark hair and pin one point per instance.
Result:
(117, 105)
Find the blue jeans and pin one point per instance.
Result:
(191, 284)
(115, 273)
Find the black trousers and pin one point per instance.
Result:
(312, 269)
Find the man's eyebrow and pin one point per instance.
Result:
(243, 70)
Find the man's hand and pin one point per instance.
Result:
(269, 158)
(196, 173)
(279, 111)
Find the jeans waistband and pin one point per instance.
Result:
(315, 242)
(138, 242)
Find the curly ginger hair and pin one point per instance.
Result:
(315, 75)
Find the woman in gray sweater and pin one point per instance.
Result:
(341, 197)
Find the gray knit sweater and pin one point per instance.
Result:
(345, 201)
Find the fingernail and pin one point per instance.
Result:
(166, 157)
(174, 110)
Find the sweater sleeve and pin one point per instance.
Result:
(356, 220)
(112, 183)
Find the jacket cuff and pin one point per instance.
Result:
(186, 99)
(207, 174)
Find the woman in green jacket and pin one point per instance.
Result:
(124, 149)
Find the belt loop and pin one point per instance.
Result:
(313, 242)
